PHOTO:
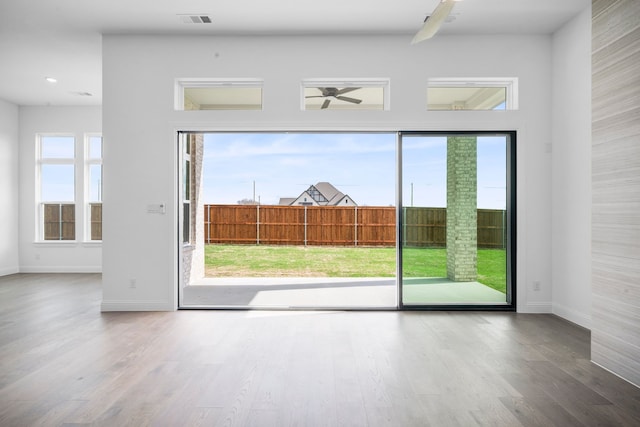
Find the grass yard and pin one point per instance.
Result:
(333, 261)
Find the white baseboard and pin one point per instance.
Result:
(136, 306)
(9, 270)
(535, 307)
(61, 269)
(579, 318)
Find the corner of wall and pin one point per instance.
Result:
(571, 170)
(572, 315)
(9, 183)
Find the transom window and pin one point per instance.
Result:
(362, 94)
(218, 94)
(453, 94)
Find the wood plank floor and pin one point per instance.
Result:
(64, 363)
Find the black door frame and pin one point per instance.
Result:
(511, 194)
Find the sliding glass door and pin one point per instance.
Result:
(456, 219)
(338, 241)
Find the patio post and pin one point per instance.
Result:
(462, 221)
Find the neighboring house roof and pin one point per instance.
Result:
(321, 194)
(344, 200)
(286, 200)
(327, 190)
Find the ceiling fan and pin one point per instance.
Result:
(335, 93)
(433, 22)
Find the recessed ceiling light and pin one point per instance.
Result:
(51, 79)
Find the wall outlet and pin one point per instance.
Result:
(536, 285)
(132, 284)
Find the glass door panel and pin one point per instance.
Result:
(454, 226)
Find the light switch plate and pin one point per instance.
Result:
(157, 208)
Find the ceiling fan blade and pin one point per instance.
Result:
(325, 104)
(315, 96)
(433, 22)
(346, 90)
(346, 98)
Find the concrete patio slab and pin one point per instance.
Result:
(325, 292)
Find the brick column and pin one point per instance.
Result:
(197, 210)
(462, 221)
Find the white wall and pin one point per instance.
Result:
(571, 171)
(53, 256)
(139, 125)
(9, 120)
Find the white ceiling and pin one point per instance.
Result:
(62, 38)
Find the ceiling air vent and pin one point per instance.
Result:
(195, 19)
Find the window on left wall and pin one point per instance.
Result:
(93, 150)
(57, 171)
(66, 167)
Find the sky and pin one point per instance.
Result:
(58, 171)
(361, 165)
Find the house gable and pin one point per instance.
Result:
(345, 200)
(321, 194)
(305, 199)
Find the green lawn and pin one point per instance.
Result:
(332, 261)
(433, 263)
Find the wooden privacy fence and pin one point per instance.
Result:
(59, 221)
(427, 227)
(340, 226)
